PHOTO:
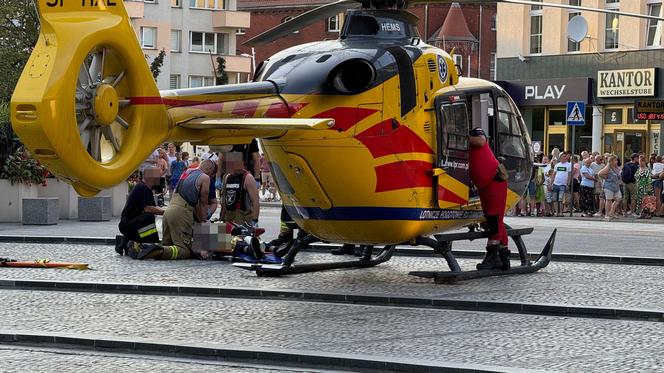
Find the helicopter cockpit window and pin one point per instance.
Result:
(514, 126)
(503, 122)
(509, 131)
(455, 130)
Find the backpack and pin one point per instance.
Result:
(628, 172)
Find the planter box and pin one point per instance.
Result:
(94, 208)
(40, 211)
(11, 200)
(11, 196)
(66, 195)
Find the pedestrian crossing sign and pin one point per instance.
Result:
(575, 113)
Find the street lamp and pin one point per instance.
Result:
(253, 62)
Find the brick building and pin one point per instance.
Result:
(266, 14)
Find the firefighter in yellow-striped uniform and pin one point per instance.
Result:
(137, 222)
(191, 200)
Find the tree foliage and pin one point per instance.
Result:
(19, 29)
(221, 75)
(157, 63)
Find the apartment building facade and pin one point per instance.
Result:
(616, 65)
(193, 33)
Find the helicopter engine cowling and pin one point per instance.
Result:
(353, 76)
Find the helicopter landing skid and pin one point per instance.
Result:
(288, 268)
(443, 243)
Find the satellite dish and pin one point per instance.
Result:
(577, 29)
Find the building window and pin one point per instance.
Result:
(655, 27)
(149, 37)
(573, 46)
(207, 4)
(492, 66)
(240, 31)
(176, 3)
(536, 29)
(612, 26)
(493, 23)
(175, 82)
(150, 1)
(458, 60)
(196, 81)
(333, 24)
(176, 41)
(208, 42)
(222, 43)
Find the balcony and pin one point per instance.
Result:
(238, 64)
(231, 19)
(134, 8)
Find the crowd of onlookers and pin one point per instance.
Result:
(594, 184)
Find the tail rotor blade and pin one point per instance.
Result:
(95, 146)
(108, 134)
(122, 122)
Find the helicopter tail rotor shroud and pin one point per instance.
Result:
(72, 105)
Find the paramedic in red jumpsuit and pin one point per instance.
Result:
(493, 195)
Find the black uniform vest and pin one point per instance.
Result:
(235, 196)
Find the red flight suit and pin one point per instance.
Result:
(493, 193)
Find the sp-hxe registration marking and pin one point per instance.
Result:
(60, 3)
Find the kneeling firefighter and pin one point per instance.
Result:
(191, 201)
(137, 222)
(490, 178)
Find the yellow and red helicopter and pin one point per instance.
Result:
(366, 135)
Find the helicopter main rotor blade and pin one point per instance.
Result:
(301, 21)
(544, 4)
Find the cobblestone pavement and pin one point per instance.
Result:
(74, 228)
(508, 340)
(46, 360)
(582, 236)
(581, 284)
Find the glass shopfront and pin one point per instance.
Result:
(543, 103)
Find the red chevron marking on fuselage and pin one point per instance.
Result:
(402, 175)
(381, 140)
(411, 174)
(345, 117)
(280, 110)
(245, 109)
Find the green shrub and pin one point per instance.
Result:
(19, 167)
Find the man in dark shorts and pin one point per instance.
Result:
(137, 222)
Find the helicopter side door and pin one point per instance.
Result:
(451, 181)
